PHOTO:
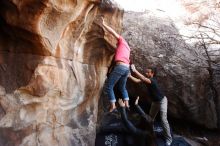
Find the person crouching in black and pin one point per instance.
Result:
(144, 135)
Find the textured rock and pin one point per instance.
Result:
(155, 41)
(53, 61)
(203, 20)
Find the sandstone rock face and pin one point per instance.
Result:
(53, 62)
(155, 41)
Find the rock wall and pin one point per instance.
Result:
(182, 74)
(54, 56)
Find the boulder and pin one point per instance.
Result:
(182, 75)
(54, 57)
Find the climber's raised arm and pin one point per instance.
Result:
(111, 30)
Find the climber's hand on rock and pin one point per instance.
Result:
(102, 21)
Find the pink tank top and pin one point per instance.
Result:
(122, 51)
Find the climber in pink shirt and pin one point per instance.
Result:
(122, 53)
(120, 71)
